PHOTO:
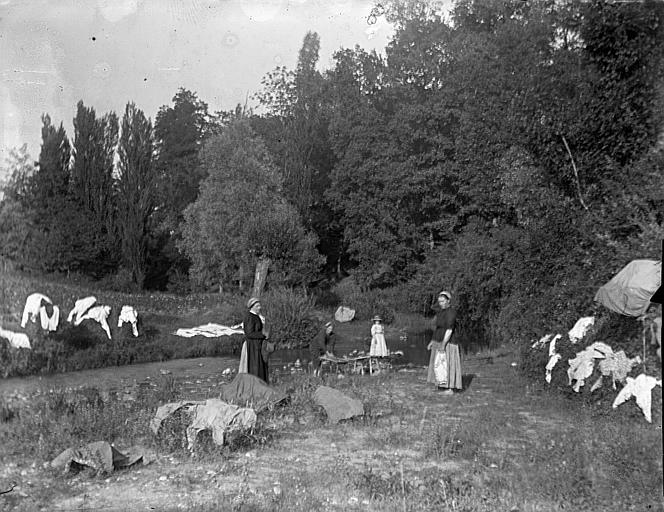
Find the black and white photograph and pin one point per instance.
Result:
(331, 255)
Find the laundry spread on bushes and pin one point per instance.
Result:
(640, 388)
(580, 329)
(34, 305)
(98, 314)
(129, 315)
(16, 339)
(81, 306)
(210, 331)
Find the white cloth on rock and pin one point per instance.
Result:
(81, 306)
(641, 388)
(212, 414)
(16, 339)
(49, 323)
(32, 306)
(98, 314)
(209, 331)
(580, 329)
(129, 315)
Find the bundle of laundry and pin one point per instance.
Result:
(16, 339)
(209, 331)
(38, 304)
(129, 315)
(613, 364)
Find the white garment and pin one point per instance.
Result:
(129, 315)
(581, 367)
(32, 305)
(49, 324)
(16, 339)
(580, 328)
(80, 307)
(550, 365)
(244, 365)
(641, 388)
(542, 341)
(378, 345)
(209, 331)
(98, 314)
(617, 365)
(552, 345)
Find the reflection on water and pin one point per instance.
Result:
(414, 350)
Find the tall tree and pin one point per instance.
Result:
(136, 189)
(241, 216)
(95, 141)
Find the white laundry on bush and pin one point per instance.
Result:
(99, 314)
(80, 307)
(33, 304)
(129, 315)
(49, 323)
(580, 328)
(16, 339)
(641, 388)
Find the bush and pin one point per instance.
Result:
(290, 316)
(366, 303)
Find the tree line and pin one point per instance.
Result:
(511, 148)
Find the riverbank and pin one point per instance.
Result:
(499, 445)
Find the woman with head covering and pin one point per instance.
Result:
(255, 337)
(445, 360)
(378, 345)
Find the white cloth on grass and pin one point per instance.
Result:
(641, 388)
(582, 366)
(16, 339)
(209, 331)
(580, 328)
(129, 315)
(49, 323)
(32, 306)
(80, 308)
(98, 314)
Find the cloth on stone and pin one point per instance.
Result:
(98, 314)
(209, 331)
(212, 414)
(49, 323)
(16, 339)
(581, 367)
(32, 306)
(580, 328)
(248, 390)
(344, 314)
(79, 309)
(641, 388)
(337, 405)
(100, 456)
(129, 315)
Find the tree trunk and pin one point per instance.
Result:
(262, 266)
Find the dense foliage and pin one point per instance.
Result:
(512, 152)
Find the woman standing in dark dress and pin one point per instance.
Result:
(442, 342)
(253, 332)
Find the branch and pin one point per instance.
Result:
(576, 174)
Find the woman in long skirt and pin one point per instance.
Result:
(253, 332)
(445, 360)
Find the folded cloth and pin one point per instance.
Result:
(209, 331)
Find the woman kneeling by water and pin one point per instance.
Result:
(445, 360)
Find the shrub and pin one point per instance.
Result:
(290, 316)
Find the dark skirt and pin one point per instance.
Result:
(256, 365)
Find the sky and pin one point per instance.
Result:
(54, 53)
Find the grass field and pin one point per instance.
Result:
(499, 445)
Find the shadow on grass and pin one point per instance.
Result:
(466, 381)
